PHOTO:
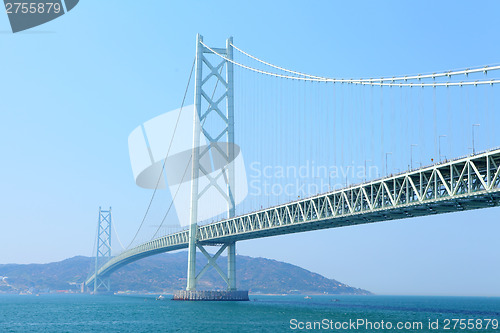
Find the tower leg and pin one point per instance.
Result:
(191, 274)
(231, 266)
(195, 158)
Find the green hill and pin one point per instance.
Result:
(167, 272)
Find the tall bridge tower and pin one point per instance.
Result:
(103, 249)
(212, 161)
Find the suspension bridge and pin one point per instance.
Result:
(210, 169)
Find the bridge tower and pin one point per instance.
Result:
(220, 146)
(103, 248)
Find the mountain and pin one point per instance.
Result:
(166, 272)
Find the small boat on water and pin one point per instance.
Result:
(307, 297)
(160, 298)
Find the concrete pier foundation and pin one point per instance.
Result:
(210, 295)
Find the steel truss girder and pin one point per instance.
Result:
(468, 183)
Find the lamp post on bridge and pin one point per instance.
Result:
(473, 147)
(386, 171)
(441, 136)
(411, 155)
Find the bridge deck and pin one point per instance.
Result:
(467, 183)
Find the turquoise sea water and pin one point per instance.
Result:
(86, 313)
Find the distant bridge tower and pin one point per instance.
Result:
(103, 248)
(221, 145)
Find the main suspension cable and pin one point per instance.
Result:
(277, 67)
(466, 72)
(374, 82)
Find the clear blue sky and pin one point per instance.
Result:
(72, 91)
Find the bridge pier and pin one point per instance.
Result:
(211, 295)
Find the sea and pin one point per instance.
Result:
(263, 313)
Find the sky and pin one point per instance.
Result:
(75, 88)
